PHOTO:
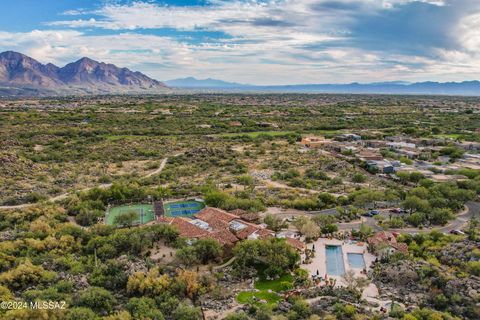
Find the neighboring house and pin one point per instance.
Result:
(409, 152)
(348, 137)
(293, 238)
(469, 145)
(380, 166)
(296, 243)
(235, 124)
(367, 154)
(314, 142)
(384, 243)
(400, 145)
(374, 143)
(397, 138)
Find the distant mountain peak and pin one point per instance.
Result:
(191, 82)
(84, 75)
(13, 55)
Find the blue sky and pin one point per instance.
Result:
(255, 41)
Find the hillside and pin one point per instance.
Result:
(22, 75)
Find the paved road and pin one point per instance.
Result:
(101, 186)
(473, 210)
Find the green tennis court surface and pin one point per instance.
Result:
(183, 208)
(144, 212)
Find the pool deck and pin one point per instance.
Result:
(319, 262)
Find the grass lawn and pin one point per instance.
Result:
(264, 285)
(247, 296)
(274, 285)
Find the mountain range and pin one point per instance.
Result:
(22, 75)
(191, 82)
(467, 88)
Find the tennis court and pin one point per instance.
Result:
(144, 212)
(183, 208)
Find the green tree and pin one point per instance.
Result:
(273, 222)
(473, 267)
(359, 178)
(365, 231)
(25, 275)
(327, 199)
(207, 250)
(329, 228)
(80, 313)
(98, 299)
(324, 219)
(473, 229)
(440, 216)
(127, 219)
(245, 180)
(236, 316)
(144, 308)
(187, 255)
(414, 203)
(185, 312)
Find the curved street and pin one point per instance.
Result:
(472, 210)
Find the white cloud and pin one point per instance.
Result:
(271, 42)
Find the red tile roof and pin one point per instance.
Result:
(187, 229)
(225, 237)
(218, 227)
(249, 217)
(388, 238)
(238, 212)
(265, 233)
(297, 244)
(210, 214)
(163, 219)
(245, 232)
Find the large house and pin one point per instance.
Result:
(225, 227)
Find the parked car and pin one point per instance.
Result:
(367, 214)
(457, 232)
(374, 212)
(397, 210)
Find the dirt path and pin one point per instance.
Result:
(156, 171)
(279, 185)
(66, 194)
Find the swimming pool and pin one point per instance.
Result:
(334, 256)
(355, 260)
